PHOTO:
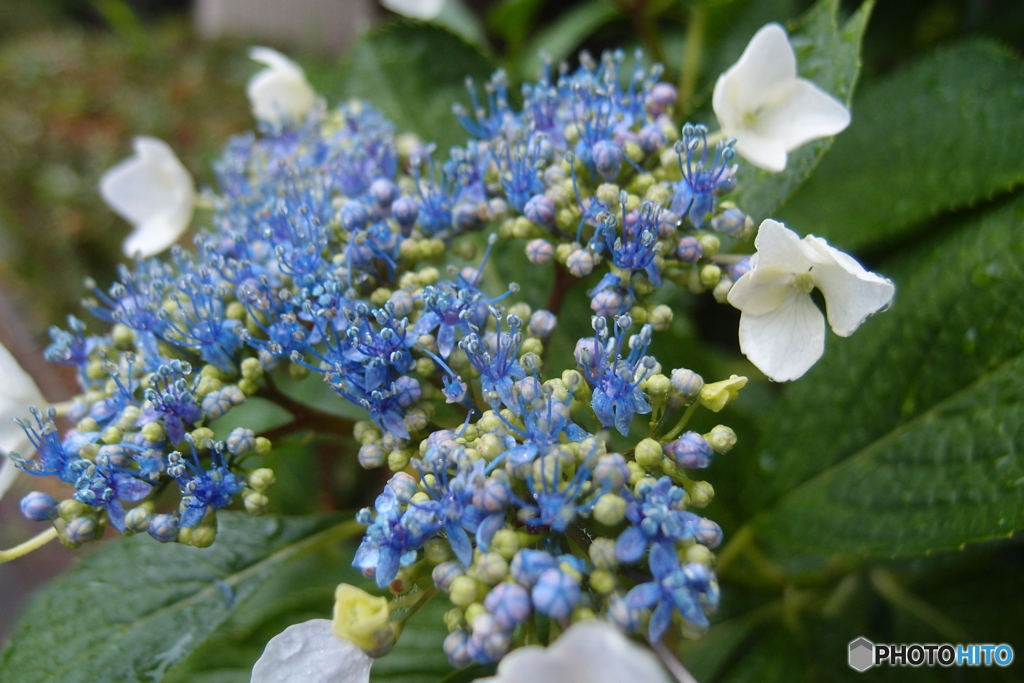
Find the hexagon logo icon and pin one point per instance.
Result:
(862, 654)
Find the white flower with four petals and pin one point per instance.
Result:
(781, 329)
(770, 111)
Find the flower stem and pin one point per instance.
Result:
(681, 424)
(28, 546)
(736, 545)
(893, 591)
(671, 662)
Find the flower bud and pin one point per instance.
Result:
(509, 603)
(648, 453)
(241, 441)
(81, 530)
(602, 581)
(490, 568)
(715, 396)
(137, 519)
(359, 616)
(602, 553)
(505, 542)
(709, 244)
(445, 573)
(463, 591)
(689, 250)
(608, 158)
(710, 274)
(701, 493)
(580, 262)
(542, 323)
(540, 209)
(555, 593)
(610, 509)
(690, 451)
(164, 528)
(153, 432)
(255, 503)
(721, 439)
(686, 382)
(38, 506)
(262, 479)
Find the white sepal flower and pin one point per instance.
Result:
(310, 653)
(415, 9)
(770, 111)
(781, 330)
(18, 391)
(154, 192)
(588, 652)
(280, 92)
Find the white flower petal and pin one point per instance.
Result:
(806, 113)
(280, 92)
(310, 653)
(153, 191)
(785, 343)
(761, 290)
(779, 246)
(766, 65)
(589, 652)
(416, 9)
(851, 292)
(18, 391)
(762, 151)
(762, 103)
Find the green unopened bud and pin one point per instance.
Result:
(699, 554)
(473, 611)
(641, 183)
(436, 551)
(153, 432)
(638, 313)
(248, 387)
(608, 194)
(207, 385)
(716, 395)
(87, 425)
(710, 274)
(669, 466)
(701, 494)
(721, 439)
(453, 619)
(648, 453)
(505, 542)
(359, 616)
(71, 508)
(657, 193)
(660, 318)
(122, 335)
(111, 435)
(531, 345)
(490, 447)
(709, 244)
(562, 252)
(602, 553)
(602, 581)
(260, 480)
(657, 386)
(490, 568)
(380, 296)
(263, 446)
(203, 437)
(256, 503)
(636, 472)
(235, 311)
(428, 276)
(398, 460)
(199, 536)
(366, 432)
(128, 418)
(463, 591)
(137, 519)
(610, 509)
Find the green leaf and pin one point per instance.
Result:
(257, 414)
(314, 392)
(907, 438)
(942, 134)
(828, 55)
(563, 36)
(414, 73)
(136, 608)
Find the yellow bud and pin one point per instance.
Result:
(262, 479)
(610, 509)
(463, 591)
(358, 616)
(716, 395)
(648, 453)
(602, 580)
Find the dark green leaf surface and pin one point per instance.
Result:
(414, 73)
(907, 437)
(828, 55)
(943, 134)
(136, 608)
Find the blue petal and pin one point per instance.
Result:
(458, 539)
(520, 455)
(663, 560)
(192, 516)
(445, 340)
(387, 566)
(660, 620)
(115, 513)
(490, 526)
(644, 596)
(630, 546)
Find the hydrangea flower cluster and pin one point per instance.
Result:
(533, 496)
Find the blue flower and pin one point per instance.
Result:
(171, 400)
(688, 589)
(695, 194)
(655, 517)
(499, 370)
(391, 539)
(616, 380)
(203, 489)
